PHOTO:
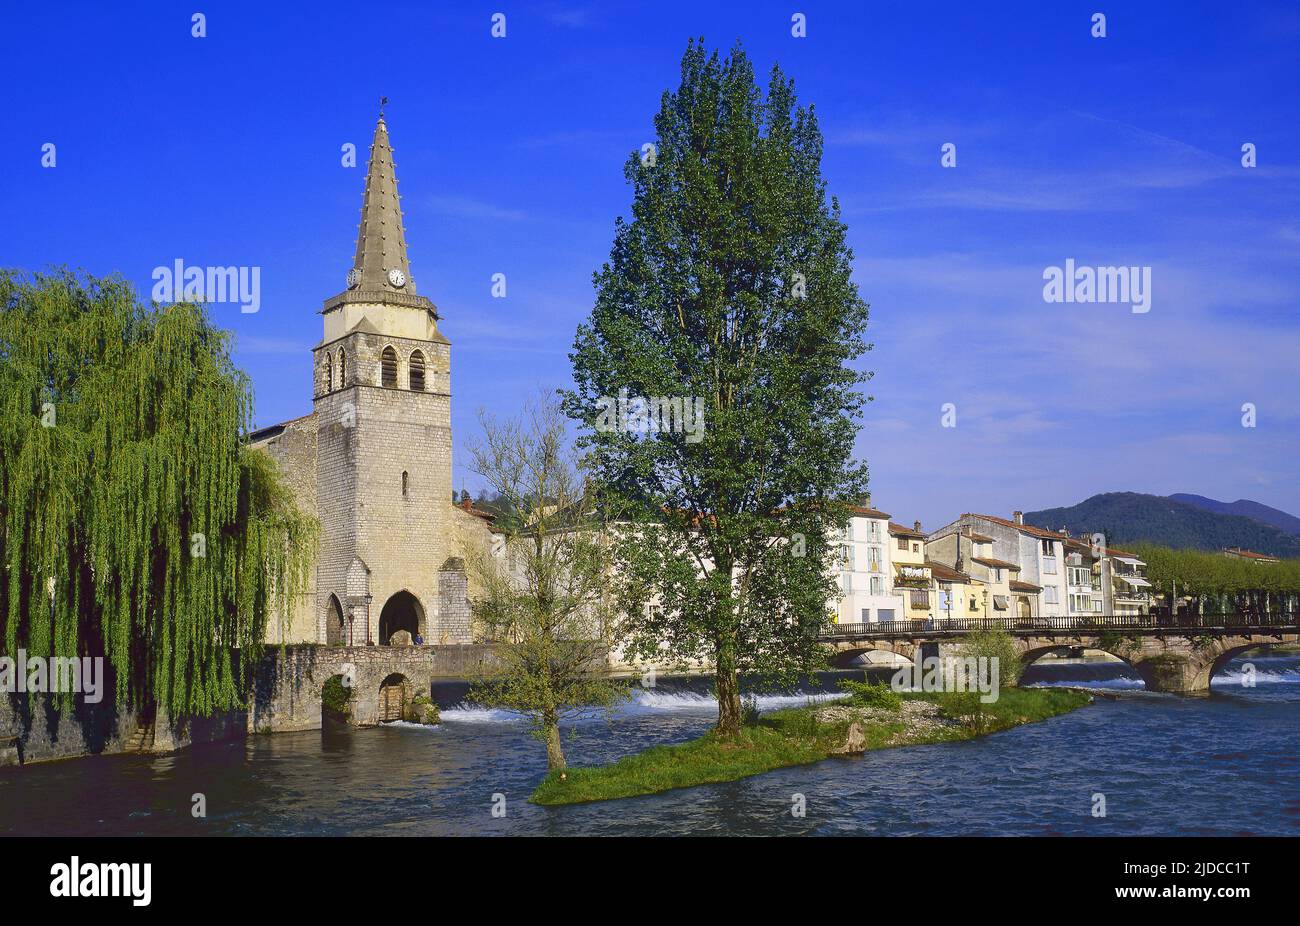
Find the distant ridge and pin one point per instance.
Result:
(1245, 507)
(1126, 517)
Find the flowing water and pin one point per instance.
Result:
(1224, 764)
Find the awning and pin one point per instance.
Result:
(1000, 602)
(1136, 581)
(1129, 560)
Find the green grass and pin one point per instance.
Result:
(780, 740)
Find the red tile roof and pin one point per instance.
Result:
(1023, 528)
(901, 531)
(870, 513)
(1249, 554)
(1018, 586)
(998, 563)
(946, 573)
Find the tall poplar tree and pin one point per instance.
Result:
(731, 286)
(133, 523)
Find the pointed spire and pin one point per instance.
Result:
(381, 240)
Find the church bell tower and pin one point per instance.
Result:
(382, 399)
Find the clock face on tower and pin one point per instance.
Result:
(354, 277)
(396, 278)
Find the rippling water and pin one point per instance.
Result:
(1224, 764)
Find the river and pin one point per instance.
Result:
(1226, 764)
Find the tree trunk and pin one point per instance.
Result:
(554, 750)
(728, 689)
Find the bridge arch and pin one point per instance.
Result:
(845, 654)
(1035, 651)
(1231, 652)
(402, 611)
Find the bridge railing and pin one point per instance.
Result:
(1098, 623)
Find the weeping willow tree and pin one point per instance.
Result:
(133, 523)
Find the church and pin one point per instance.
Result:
(373, 459)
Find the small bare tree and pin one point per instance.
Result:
(542, 595)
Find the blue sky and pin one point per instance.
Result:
(1117, 151)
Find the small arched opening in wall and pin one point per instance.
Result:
(335, 701)
(400, 620)
(417, 371)
(335, 630)
(394, 696)
(388, 368)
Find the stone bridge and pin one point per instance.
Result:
(289, 684)
(1175, 655)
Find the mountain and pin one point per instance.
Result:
(1125, 517)
(1243, 506)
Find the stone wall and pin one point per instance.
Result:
(32, 731)
(286, 696)
(288, 691)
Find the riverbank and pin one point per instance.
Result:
(802, 736)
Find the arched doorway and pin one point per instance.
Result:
(401, 612)
(336, 704)
(394, 693)
(335, 632)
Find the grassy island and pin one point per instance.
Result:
(871, 718)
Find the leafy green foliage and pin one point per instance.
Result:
(133, 524)
(732, 285)
(966, 708)
(336, 698)
(1222, 580)
(999, 645)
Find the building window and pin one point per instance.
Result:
(873, 530)
(388, 368)
(417, 372)
(1049, 594)
(997, 574)
(916, 548)
(343, 368)
(1049, 565)
(885, 614)
(902, 544)
(329, 373)
(406, 483)
(876, 587)
(866, 615)
(874, 558)
(920, 598)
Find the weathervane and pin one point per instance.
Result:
(383, 101)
